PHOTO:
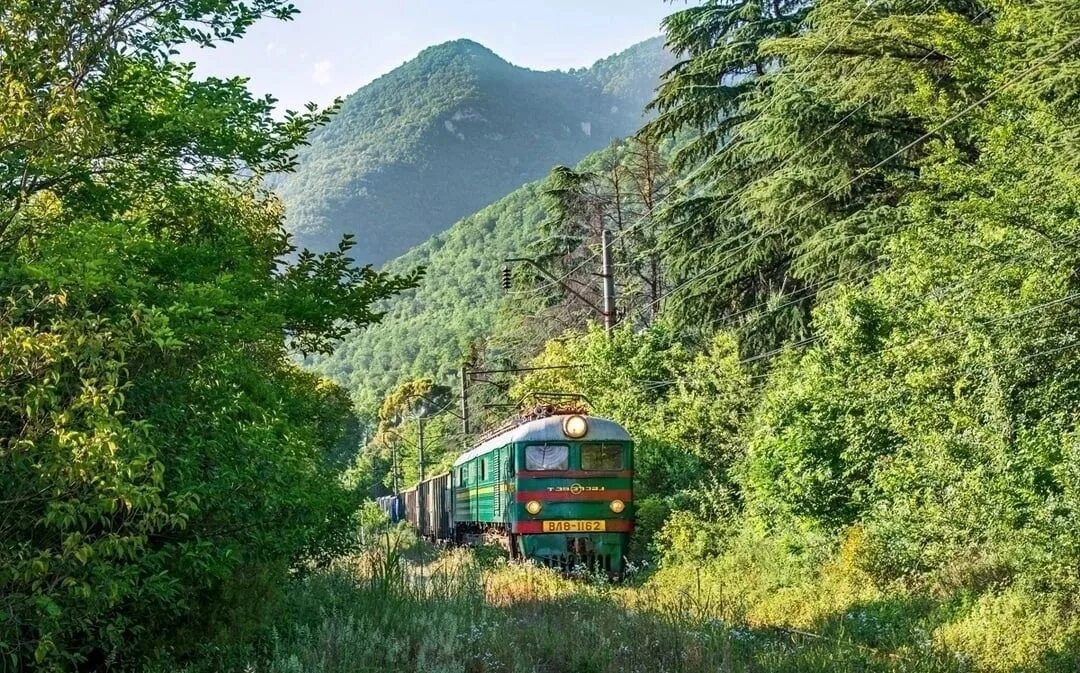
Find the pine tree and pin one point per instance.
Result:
(794, 119)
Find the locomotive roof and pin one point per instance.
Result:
(548, 430)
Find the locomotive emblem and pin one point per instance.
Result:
(576, 488)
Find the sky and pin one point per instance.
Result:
(336, 46)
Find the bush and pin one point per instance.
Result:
(650, 515)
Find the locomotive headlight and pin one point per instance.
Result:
(533, 507)
(575, 427)
(617, 506)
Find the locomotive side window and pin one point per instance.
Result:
(483, 469)
(547, 457)
(461, 475)
(601, 457)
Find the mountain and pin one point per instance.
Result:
(449, 132)
(426, 330)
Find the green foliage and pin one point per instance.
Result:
(805, 121)
(812, 441)
(449, 132)
(930, 400)
(409, 418)
(934, 405)
(163, 463)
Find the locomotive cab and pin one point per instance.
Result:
(557, 490)
(573, 493)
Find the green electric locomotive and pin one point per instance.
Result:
(557, 489)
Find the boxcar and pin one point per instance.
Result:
(434, 514)
(392, 506)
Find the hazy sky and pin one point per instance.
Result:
(336, 46)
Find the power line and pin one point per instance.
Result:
(693, 176)
(805, 290)
(1016, 78)
(924, 339)
(809, 340)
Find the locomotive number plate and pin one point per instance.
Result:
(575, 526)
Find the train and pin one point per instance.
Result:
(558, 489)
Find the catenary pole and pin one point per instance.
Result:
(608, 276)
(464, 399)
(420, 445)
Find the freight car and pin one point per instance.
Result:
(392, 506)
(557, 489)
(429, 508)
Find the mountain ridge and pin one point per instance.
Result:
(450, 132)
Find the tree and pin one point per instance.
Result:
(620, 194)
(162, 462)
(802, 130)
(411, 430)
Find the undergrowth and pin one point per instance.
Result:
(758, 607)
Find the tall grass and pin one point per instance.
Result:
(824, 591)
(758, 607)
(458, 613)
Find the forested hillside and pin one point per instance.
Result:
(429, 331)
(450, 132)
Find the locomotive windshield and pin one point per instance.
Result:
(547, 457)
(601, 457)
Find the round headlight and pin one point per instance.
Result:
(617, 506)
(575, 426)
(533, 507)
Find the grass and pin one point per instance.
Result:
(459, 613)
(758, 608)
(827, 593)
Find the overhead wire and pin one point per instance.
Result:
(1066, 240)
(693, 176)
(952, 118)
(920, 340)
(729, 319)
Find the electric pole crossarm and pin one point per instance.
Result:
(553, 279)
(518, 370)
